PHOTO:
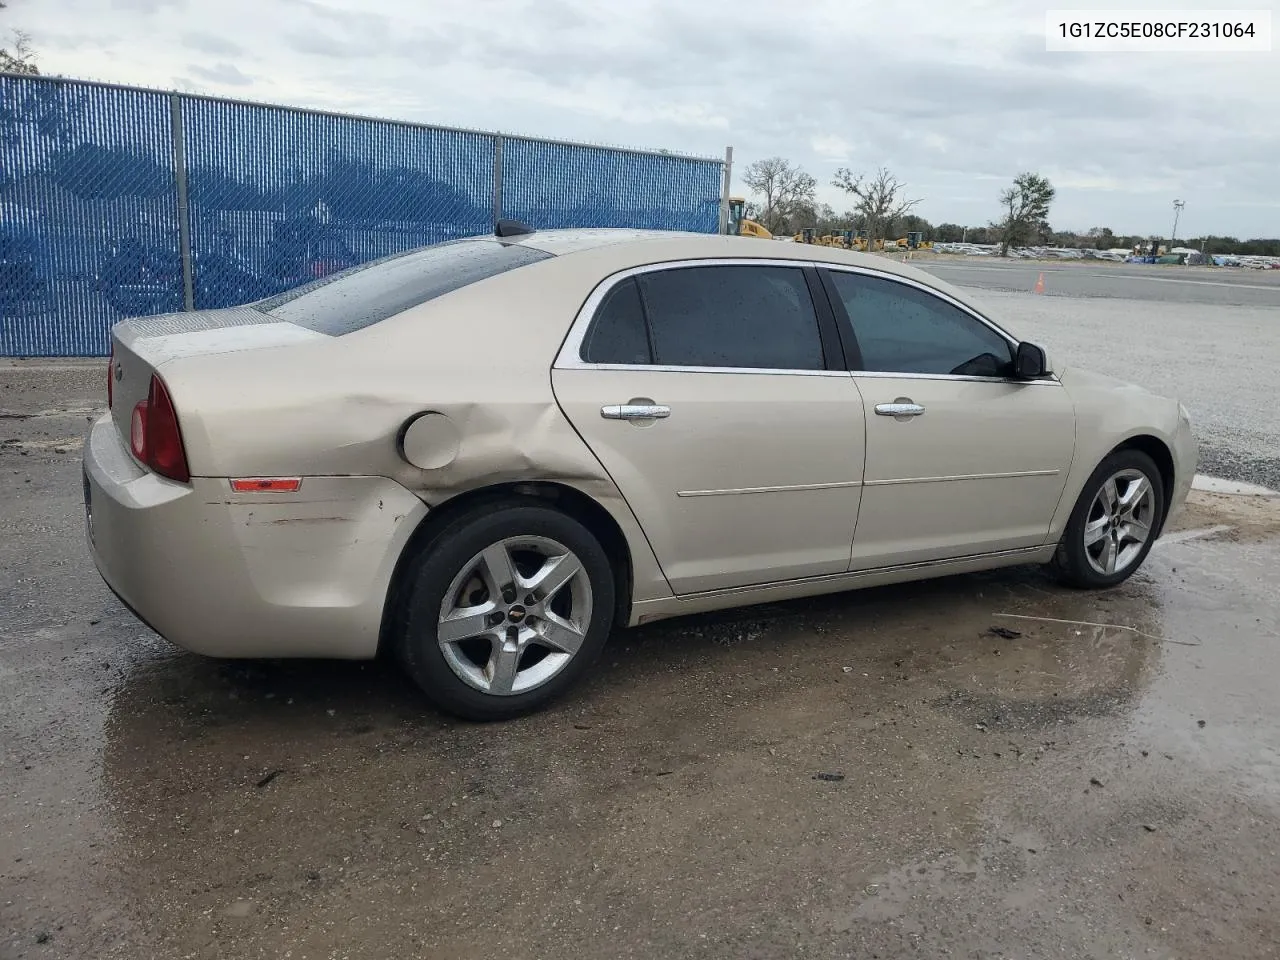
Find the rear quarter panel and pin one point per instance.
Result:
(480, 356)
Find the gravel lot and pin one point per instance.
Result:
(873, 774)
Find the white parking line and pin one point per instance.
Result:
(1186, 535)
(1198, 283)
(1217, 485)
(1104, 276)
(965, 266)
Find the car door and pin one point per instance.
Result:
(714, 393)
(962, 459)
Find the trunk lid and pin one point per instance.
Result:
(143, 346)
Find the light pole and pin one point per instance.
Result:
(1177, 209)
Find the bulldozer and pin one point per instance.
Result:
(740, 225)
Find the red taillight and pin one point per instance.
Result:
(111, 379)
(154, 435)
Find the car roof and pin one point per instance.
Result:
(610, 250)
(640, 247)
(562, 242)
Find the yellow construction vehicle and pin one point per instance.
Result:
(846, 239)
(914, 240)
(740, 226)
(860, 242)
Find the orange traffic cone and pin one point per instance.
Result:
(1040, 284)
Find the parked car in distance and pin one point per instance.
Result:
(485, 456)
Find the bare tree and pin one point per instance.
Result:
(786, 190)
(879, 200)
(21, 59)
(1026, 206)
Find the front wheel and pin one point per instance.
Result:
(1114, 524)
(506, 610)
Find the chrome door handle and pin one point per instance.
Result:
(902, 408)
(635, 411)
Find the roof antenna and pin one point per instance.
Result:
(511, 228)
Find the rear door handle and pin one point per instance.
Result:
(900, 409)
(635, 411)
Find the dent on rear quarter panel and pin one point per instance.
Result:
(323, 546)
(337, 406)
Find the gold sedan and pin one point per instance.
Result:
(487, 455)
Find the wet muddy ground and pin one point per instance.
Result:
(913, 771)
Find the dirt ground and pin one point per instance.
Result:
(983, 766)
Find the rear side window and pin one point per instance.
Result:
(750, 316)
(618, 333)
(372, 292)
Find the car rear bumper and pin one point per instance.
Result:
(223, 574)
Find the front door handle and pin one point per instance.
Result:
(635, 411)
(904, 408)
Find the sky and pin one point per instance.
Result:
(955, 97)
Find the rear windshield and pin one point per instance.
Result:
(372, 292)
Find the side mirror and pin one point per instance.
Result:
(1030, 362)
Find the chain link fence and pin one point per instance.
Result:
(118, 202)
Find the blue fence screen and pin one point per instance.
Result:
(99, 186)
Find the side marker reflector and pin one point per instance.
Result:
(266, 484)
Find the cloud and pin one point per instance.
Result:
(831, 147)
(212, 43)
(955, 99)
(222, 74)
(147, 7)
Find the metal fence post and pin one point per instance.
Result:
(724, 192)
(497, 179)
(183, 201)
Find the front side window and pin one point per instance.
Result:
(903, 329)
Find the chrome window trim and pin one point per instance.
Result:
(1051, 380)
(569, 356)
(950, 300)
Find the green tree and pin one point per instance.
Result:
(1026, 206)
(1103, 238)
(913, 224)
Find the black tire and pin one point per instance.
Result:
(1072, 563)
(430, 574)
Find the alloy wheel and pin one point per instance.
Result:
(1121, 519)
(515, 615)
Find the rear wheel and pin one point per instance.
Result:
(506, 610)
(1114, 524)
